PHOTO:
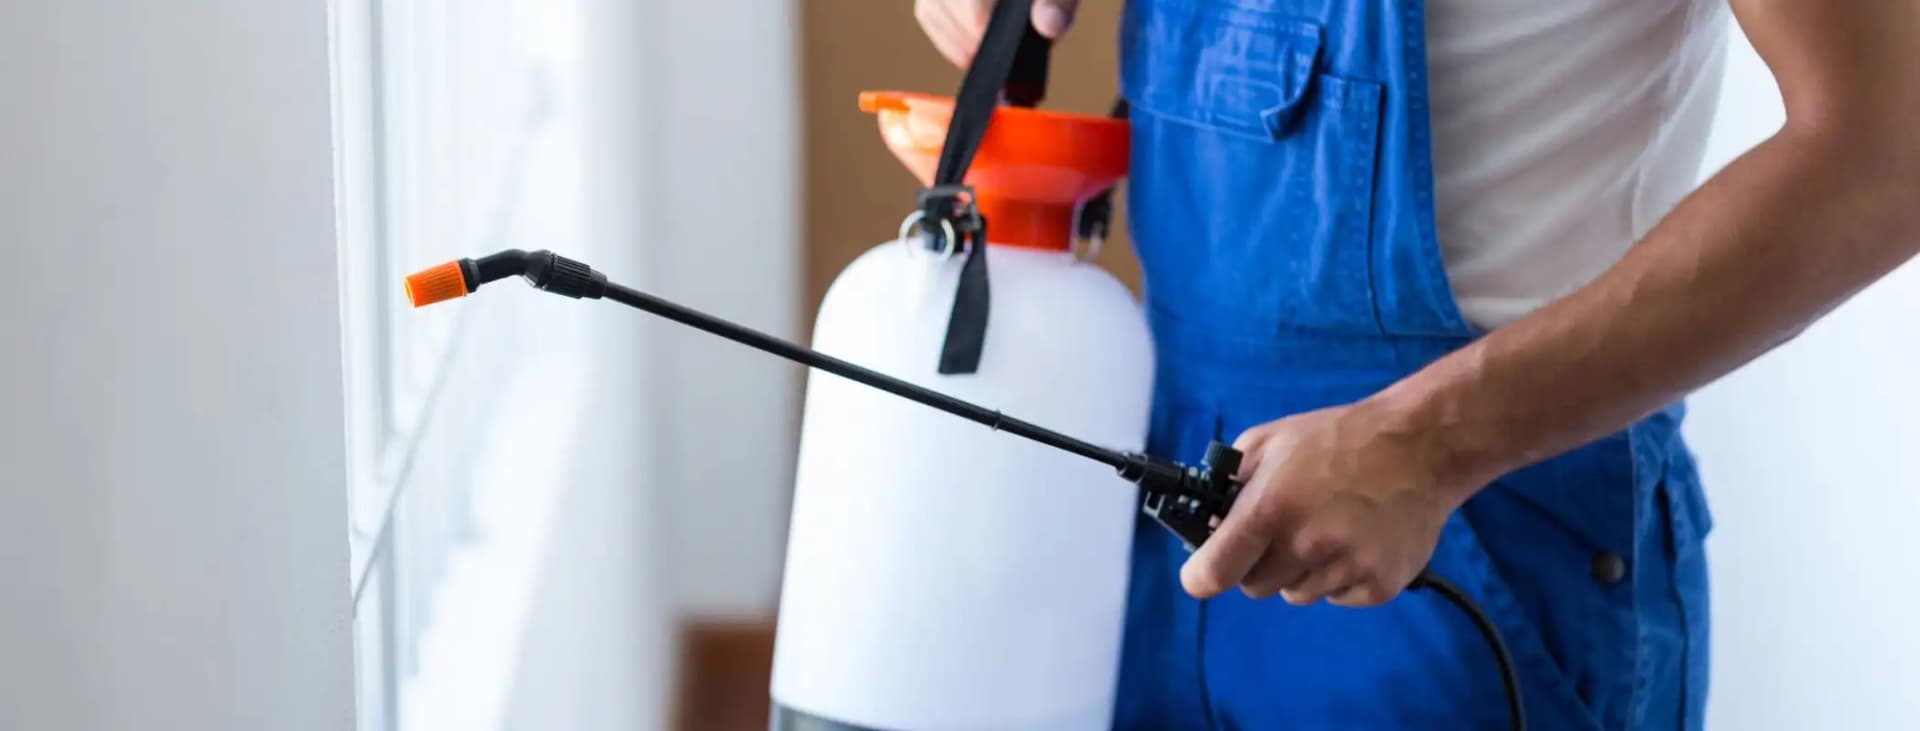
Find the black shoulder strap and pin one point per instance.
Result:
(1012, 59)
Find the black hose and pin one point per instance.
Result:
(1508, 676)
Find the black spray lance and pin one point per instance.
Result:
(1187, 500)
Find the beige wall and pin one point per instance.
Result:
(856, 193)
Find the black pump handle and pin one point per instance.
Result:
(1027, 81)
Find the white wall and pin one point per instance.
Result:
(597, 649)
(600, 644)
(172, 463)
(1812, 462)
(722, 130)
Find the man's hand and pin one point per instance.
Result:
(955, 26)
(1340, 504)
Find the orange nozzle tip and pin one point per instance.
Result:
(438, 284)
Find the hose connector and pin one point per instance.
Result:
(565, 277)
(1189, 501)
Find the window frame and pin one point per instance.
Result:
(430, 165)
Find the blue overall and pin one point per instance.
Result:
(1282, 209)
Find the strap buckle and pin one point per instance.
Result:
(958, 219)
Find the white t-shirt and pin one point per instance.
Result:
(1562, 131)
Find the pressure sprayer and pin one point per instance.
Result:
(1187, 500)
(939, 577)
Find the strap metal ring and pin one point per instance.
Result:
(913, 224)
(1086, 249)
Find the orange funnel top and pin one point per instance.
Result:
(1033, 167)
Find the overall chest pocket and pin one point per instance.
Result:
(1253, 168)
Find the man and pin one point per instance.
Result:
(1442, 269)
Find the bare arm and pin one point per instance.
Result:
(1348, 503)
(1805, 220)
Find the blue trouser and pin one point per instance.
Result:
(1281, 203)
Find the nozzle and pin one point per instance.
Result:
(542, 269)
(438, 284)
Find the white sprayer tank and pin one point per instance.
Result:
(941, 575)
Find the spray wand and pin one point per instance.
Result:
(1187, 500)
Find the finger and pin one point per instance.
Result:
(1249, 466)
(1328, 579)
(972, 16)
(938, 21)
(1274, 571)
(1251, 439)
(1223, 560)
(1052, 18)
(1292, 559)
(1249, 444)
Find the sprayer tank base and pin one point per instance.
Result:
(787, 718)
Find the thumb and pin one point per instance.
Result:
(1053, 17)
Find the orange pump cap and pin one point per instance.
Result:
(1033, 168)
(438, 284)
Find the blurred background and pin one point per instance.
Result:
(555, 516)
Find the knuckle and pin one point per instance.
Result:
(1317, 545)
(1250, 438)
(979, 11)
(1367, 563)
(1272, 508)
(1340, 576)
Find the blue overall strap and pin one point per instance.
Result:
(1012, 58)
